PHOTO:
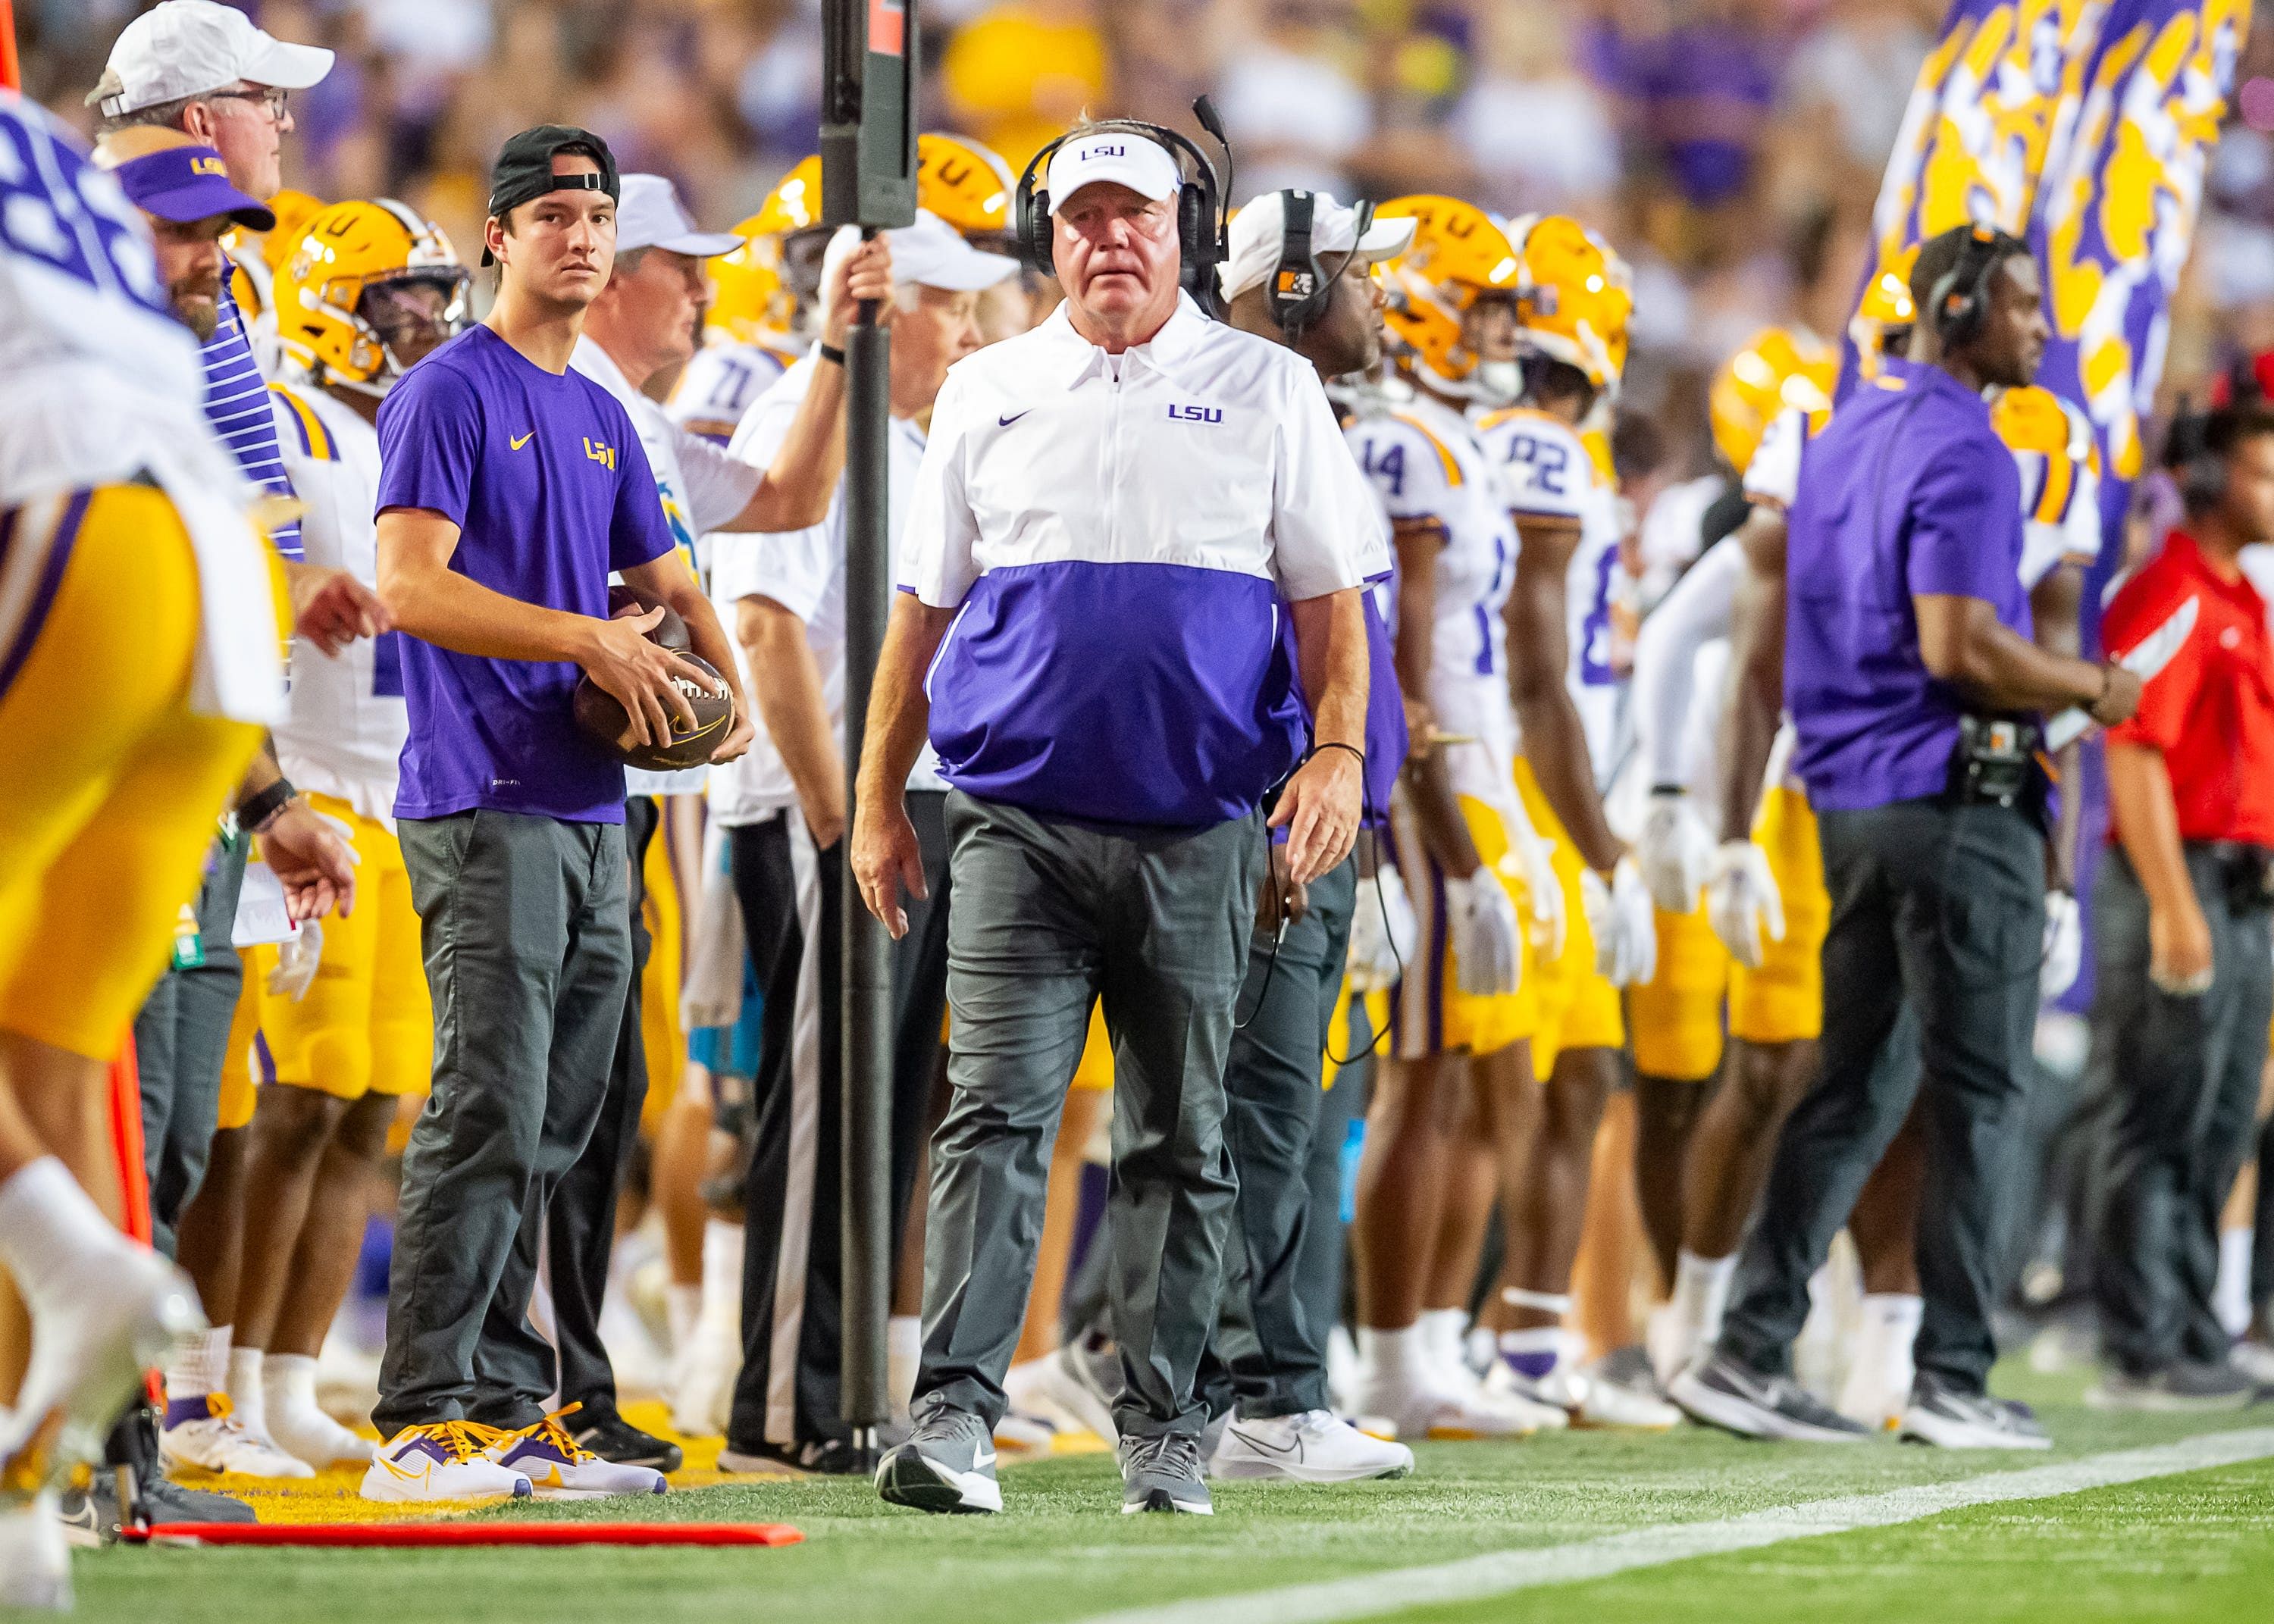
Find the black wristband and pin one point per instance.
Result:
(257, 812)
(1336, 744)
(1669, 789)
(829, 352)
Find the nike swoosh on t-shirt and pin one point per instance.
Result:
(523, 440)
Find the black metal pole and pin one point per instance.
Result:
(868, 949)
(867, 179)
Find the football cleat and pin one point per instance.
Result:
(444, 1460)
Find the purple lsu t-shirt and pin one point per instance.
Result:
(1908, 491)
(544, 476)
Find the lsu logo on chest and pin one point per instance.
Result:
(597, 452)
(1195, 414)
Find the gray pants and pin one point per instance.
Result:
(2186, 1086)
(1941, 907)
(1048, 918)
(1270, 1339)
(181, 1043)
(527, 937)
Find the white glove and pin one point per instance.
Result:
(1481, 923)
(1534, 857)
(1619, 918)
(1740, 894)
(296, 958)
(2063, 945)
(1382, 933)
(1674, 852)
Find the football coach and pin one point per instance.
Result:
(1112, 513)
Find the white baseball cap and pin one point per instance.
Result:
(1258, 229)
(930, 253)
(649, 214)
(1136, 161)
(190, 48)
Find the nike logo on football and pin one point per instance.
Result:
(523, 440)
(1005, 423)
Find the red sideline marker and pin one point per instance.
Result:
(430, 1534)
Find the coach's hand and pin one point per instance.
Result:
(639, 674)
(887, 857)
(1320, 811)
(317, 867)
(866, 274)
(331, 608)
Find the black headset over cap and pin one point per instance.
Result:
(1200, 217)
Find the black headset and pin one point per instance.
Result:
(1300, 290)
(1960, 301)
(1200, 221)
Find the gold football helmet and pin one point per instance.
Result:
(1777, 369)
(1456, 258)
(337, 273)
(1576, 296)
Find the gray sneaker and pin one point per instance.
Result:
(1942, 1415)
(948, 1465)
(1719, 1391)
(2185, 1389)
(1163, 1474)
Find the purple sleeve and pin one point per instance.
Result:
(637, 532)
(430, 437)
(1966, 522)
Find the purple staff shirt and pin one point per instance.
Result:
(1908, 491)
(544, 476)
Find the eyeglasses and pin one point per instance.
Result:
(274, 97)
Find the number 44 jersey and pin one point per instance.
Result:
(343, 735)
(1549, 473)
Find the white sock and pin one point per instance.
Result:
(2231, 1296)
(683, 1306)
(1441, 1329)
(287, 1384)
(48, 1231)
(246, 1396)
(1879, 1369)
(199, 1365)
(1701, 1293)
(722, 1269)
(1397, 1359)
(903, 1350)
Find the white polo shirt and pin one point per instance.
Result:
(701, 488)
(1118, 535)
(805, 571)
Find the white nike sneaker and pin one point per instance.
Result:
(444, 1460)
(1435, 1412)
(308, 1435)
(216, 1441)
(1315, 1447)
(87, 1361)
(35, 1554)
(1586, 1402)
(1073, 1381)
(558, 1468)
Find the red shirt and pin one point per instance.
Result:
(2210, 712)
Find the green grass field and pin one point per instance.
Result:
(2196, 1546)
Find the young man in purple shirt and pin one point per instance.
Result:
(1914, 691)
(510, 488)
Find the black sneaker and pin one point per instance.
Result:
(1163, 1474)
(84, 1525)
(821, 1457)
(947, 1465)
(2184, 1389)
(1943, 1416)
(1722, 1392)
(608, 1435)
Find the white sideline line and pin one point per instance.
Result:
(1475, 1578)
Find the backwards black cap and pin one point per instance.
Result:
(524, 169)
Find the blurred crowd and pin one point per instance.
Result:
(1732, 148)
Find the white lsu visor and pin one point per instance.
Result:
(1258, 229)
(930, 253)
(192, 47)
(1136, 161)
(649, 214)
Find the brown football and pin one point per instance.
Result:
(670, 631)
(599, 713)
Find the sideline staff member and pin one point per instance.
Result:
(1911, 682)
(2180, 913)
(1109, 510)
(510, 486)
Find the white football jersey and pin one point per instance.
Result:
(1424, 462)
(343, 734)
(723, 381)
(1549, 473)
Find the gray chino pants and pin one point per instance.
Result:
(1048, 916)
(527, 936)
